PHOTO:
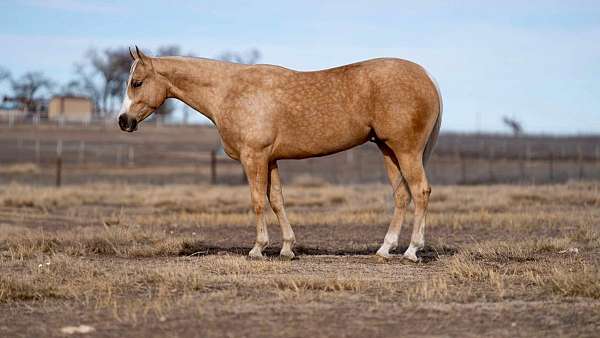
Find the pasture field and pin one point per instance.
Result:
(158, 261)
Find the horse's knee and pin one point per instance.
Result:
(402, 198)
(259, 208)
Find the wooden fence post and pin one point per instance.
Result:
(213, 166)
(461, 163)
(59, 163)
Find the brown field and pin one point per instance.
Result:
(156, 261)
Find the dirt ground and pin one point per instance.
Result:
(169, 261)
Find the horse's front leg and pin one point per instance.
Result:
(256, 168)
(275, 195)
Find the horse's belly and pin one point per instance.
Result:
(300, 142)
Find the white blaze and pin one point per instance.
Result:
(126, 99)
(126, 104)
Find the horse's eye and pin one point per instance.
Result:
(136, 84)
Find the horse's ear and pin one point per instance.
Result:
(130, 53)
(141, 56)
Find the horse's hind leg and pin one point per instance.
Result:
(413, 172)
(275, 194)
(401, 201)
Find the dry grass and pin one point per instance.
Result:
(139, 254)
(19, 169)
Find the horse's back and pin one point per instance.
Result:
(322, 112)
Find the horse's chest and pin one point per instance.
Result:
(231, 151)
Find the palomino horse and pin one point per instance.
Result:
(266, 113)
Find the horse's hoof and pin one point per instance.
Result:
(255, 255)
(287, 256)
(382, 256)
(412, 257)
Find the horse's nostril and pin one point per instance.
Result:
(127, 123)
(123, 121)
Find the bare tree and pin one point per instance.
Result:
(514, 125)
(4, 74)
(26, 89)
(170, 50)
(84, 85)
(71, 88)
(249, 57)
(109, 71)
(103, 77)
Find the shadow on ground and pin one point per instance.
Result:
(200, 248)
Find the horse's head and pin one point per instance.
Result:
(146, 91)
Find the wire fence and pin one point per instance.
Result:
(49, 154)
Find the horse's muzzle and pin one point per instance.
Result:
(127, 123)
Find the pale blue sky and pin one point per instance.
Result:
(538, 61)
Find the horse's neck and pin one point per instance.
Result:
(200, 83)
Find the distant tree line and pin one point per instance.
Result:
(101, 76)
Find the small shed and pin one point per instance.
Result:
(70, 108)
